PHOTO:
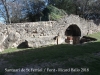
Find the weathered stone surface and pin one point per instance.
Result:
(10, 40)
(42, 33)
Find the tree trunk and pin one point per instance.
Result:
(6, 10)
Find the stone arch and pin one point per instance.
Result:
(73, 33)
(73, 30)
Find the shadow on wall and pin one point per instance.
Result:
(23, 45)
(87, 39)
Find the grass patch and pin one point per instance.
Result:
(95, 35)
(58, 52)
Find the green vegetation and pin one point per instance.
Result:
(11, 50)
(49, 13)
(72, 56)
(55, 13)
(52, 13)
(95, 35)
(67, 5)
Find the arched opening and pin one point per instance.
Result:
(73, 34)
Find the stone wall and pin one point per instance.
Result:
(42, 33)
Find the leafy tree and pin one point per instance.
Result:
(87, 8)
(54, 13)
(68, 5)
(49, 13)
(35, 7)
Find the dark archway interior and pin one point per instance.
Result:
(73, 30)
(73, 34)
(23, 45)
